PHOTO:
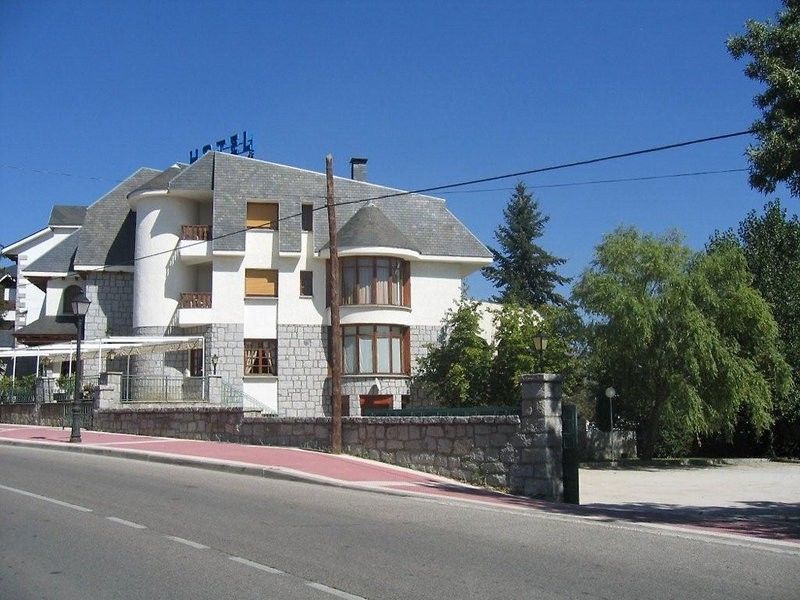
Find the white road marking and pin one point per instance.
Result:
(256, 565)
(46, 499)
(186, 542)
(127, 523)
(333, 591)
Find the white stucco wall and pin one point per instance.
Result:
(263, 389)
(435, 288)
(55, 293)
(31, 301)
(228, 288)
(160, 276)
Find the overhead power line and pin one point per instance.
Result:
(517, 174)
(486, 180)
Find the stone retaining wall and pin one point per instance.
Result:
(480, 449)
(194, 423)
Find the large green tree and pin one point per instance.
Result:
(456, 369)
(771, 245)
(774, 50)
(515, 353)
(684, 338)
(522, 270)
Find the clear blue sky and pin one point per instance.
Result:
(431, 92)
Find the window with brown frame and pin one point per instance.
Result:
(260, 357)
(375, 280)
(261, 282)
(375, 349)
(262, 215)
(306, 283)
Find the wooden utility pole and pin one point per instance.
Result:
(336, 329)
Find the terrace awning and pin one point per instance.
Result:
(119, 346)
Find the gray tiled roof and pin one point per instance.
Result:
(66, 215)
(424, 220)
(108, 232)
(370, 227)
(59, 259)
(61, 325)
(162, 180)
(198, 176)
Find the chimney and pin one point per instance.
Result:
(358, 169)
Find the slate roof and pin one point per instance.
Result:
(49, 325)
(369, 227)
(66, 215)
(162, 180)
(108, 232)
(424, 220)
(59, 259)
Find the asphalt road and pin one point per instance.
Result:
(83, 526)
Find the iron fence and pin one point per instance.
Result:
(136, 388)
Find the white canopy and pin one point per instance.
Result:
(119, 346)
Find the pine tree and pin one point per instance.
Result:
(523, 271)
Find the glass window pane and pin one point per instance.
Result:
(364, 283)
(397, 283)
(396, 357)
(382, 348)
(349, 354)
(365, 351)
(349, 284)
(382, 281)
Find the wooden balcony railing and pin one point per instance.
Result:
(196, 232)
(195, 300)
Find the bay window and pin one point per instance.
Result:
(375, 280)
(375, 349)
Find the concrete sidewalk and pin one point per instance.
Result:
(351, 472)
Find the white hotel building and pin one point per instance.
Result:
(235, 250)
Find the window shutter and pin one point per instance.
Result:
(261, 282)
(263, 215)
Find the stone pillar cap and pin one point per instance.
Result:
(541, 378)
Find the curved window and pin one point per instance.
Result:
(375, 349)
(375, 280)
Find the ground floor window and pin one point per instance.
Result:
(260, 357)
(375, 349)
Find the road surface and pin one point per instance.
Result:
(81, 526)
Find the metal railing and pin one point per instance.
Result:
(440, 411)
(137, 388)
(196, 232)
(195, 300)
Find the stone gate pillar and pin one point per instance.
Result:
(538, 472)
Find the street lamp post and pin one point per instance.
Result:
(540, 343)
(214, 361)
(611, 393)
(80, 306)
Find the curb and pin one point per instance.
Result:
(225, 466)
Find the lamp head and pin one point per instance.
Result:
(80, 304)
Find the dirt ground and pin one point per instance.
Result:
(741, 484)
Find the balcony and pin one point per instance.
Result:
(194, 308)
(195, 244)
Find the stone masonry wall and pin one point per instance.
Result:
(302, 370)
(478, 449)
(111, 310)
(198, 423)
